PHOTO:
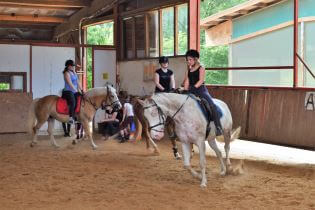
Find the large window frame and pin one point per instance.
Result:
(176, 50)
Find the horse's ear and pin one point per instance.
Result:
(141, 102)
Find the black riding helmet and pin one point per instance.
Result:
(192, 53)
(69, 63)
(163, 59)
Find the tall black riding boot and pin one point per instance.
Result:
(216, 119)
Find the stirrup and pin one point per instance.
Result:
(219, 131)
(71, 120)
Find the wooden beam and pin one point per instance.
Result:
(30, 18)
(27, 25)
(48, 3)
(39, 7)
(225, 18)
(261, 5)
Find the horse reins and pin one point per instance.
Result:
(94, 104)
(162, 115)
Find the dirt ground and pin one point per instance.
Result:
(126, 176)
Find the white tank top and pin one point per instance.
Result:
(129, 109)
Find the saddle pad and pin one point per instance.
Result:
(62, 106)
(205, 111)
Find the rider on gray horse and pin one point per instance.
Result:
(194, 82)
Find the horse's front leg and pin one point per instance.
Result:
(149, 140)
(186, 157)
(51, 125)
(88, 133)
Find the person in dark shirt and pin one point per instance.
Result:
(164, 77)
(110, 123)
(195, 83)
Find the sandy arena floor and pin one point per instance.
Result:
(126, 176)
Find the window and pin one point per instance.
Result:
(182, 29)
(128, 38)
(101, 34)
(140, 34)
(13, 81)
(168, 32)
(156, 33)
(153, 33)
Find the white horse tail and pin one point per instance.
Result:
(236, 133)
(32, 117)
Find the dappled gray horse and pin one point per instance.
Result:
(190, 127)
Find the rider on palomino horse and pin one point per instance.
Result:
(72, 88)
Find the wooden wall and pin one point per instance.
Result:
(270, 116)
(14, 112)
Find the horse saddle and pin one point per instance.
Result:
(62, 105)
(208, 111)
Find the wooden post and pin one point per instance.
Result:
(194, 24)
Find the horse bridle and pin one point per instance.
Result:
(106, 99)
(162, 116)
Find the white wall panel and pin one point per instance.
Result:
(104, 63)
(47, 66)
(15, 58)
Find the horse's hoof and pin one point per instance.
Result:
(32, 144)
(178, 157)
(223, 173)
(74, 142)
(94, 147)
(203, 185)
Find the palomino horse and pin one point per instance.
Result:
(190, 127)
(44, 109)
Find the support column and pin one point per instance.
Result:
(194, 24)
(295, 43)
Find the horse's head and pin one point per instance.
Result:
(112, 98)
(155, 117)
(102, 97)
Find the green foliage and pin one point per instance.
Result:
(182, 29)
(102, 34)
(215, 56)
(168, 31)
(4, 86)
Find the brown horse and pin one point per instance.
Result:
(142, 127)
(44, 109)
